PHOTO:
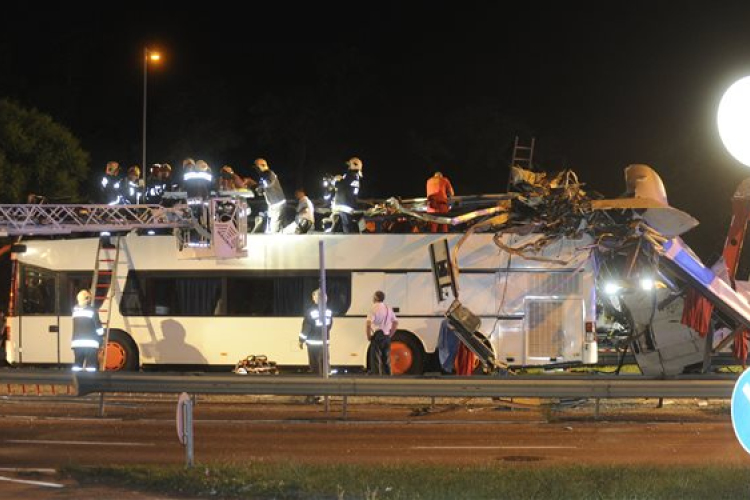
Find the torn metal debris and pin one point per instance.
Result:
(654, 295)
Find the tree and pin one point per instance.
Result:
(38, 155)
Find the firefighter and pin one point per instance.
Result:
(87, 334)
(346, 197)
(274, 195)
(439, 193)
(167, 180)
(198, 182)
(154, 185)
(111, 183)
(311, 335)
(188, 166)
(132, 189)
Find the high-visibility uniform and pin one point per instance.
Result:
(111, 192)
(87, 335)
(131, 193)
(346, 197)
(154, 190)
(312, 336)
(197, 184)
(439, 189)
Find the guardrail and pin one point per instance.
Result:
(541, 386)
(558, 386)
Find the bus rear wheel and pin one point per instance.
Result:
(407, 355)
(121, 353)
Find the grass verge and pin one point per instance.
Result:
(266, 480)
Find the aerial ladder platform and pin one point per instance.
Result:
(215, 229)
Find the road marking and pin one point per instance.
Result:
(27, 469)
(89, 443)
(35, 483)
(494, 447)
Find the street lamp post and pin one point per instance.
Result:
(148, 55)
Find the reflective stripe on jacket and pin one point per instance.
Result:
(87, 329)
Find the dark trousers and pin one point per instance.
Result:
(380, 353)
(345, 223)
(86, 357)
(315, 358)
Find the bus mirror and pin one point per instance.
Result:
(17, 248)
(442, 270)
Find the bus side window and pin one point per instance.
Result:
(74, 282)
(38, 294)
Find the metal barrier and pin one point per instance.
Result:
(557, 386)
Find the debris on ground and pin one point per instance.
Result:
(256, 365)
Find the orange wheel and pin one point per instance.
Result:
(402, 357)
(116, 357)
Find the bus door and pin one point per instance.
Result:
(38, 321)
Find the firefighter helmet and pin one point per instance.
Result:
(113, 168)
(201, 166)
(355, 163)
(135, 169)
(84, 297)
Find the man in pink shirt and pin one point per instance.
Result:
(381, 325)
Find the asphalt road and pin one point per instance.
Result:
(39, 433)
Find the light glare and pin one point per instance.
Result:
(611, 288)
(647, 284)
(734, 120)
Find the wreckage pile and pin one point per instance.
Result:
(557, 206)
(632, 237)
(256, 365)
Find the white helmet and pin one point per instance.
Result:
(84, 297)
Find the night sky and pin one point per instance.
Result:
(409, 87)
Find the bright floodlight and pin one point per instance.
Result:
(611, 288)
(734, 120)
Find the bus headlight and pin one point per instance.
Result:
(647, 284)
(612, 288)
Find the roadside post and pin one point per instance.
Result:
(322, 304)
(185, 426)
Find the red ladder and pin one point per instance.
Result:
(105, 284)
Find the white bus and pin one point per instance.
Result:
(176, 312)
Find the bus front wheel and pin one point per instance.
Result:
(407, 354)
(121, 353)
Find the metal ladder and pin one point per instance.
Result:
(523, 157)
(105, 283)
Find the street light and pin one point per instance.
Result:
(148, 55)
(734, 120)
